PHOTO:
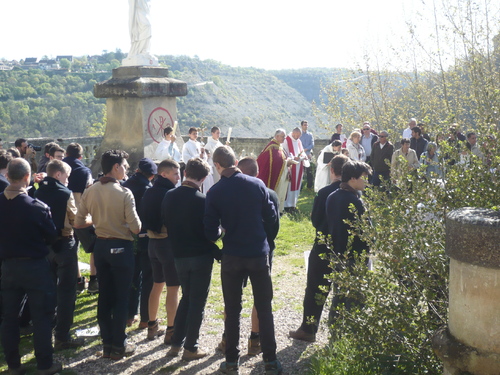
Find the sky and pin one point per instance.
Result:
(268, 34)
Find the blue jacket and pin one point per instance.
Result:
(26, 227)
(241, 205)
(80, 175)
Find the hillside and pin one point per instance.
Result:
(254, 102)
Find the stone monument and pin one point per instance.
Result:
(141, 99)
(470, 343)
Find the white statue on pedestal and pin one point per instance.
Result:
(140, 35)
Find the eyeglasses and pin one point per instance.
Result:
(366, 129)
(382, 136)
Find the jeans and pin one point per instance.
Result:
(194, 274)
(30, 276)
(234, 270)
(114, 260)
(64, 267)
(142, 281)
(315, 296)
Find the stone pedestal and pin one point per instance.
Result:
(141, 102)
(470, 344)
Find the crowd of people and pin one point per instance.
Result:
(159, 227)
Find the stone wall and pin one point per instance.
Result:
(241, 146)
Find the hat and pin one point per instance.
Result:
(148, 166)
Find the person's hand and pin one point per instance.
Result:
(38, 177)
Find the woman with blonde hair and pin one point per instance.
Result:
(356, 151)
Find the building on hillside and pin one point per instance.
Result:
(47, 64)
(5, 66)
(67, 57)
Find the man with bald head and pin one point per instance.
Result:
(25, 269)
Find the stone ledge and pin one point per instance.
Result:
(140, 87)
(473, 236)
(461, 359)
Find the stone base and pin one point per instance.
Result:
(140, 60)
(461, 359)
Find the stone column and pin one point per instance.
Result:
(141, 102)
(470, 344)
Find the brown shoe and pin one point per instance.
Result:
(191, 356)
(300, 334)
(174, 351)
(153, 331)
(254, 346)
(168, 336)
(143, 325)
(131, 321)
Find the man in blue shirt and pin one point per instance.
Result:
(245, 252)
(307, 140)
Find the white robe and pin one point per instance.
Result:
(292, 196)
(163, 151)
(322, 178)
(211, 146)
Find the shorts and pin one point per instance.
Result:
(162, 261)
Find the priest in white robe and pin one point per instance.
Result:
(293, 148)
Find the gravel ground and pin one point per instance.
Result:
(289, 278)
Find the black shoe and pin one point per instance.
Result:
(118, 353)
(93, 287)
(69, 344)
(80, 284)
(106, 351)
(54, 369)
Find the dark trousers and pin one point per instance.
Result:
(378, 176)
(31, 277)
(114, 260)
(318, 287)
(64, 267)
(194, 275)
(142, 282)
(309, 177)
(234, 271)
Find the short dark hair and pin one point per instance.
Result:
(337, 163)
(470, 134)
(48, 146)
(5, 157)
(54, 149)
(14, 152)
(19, 142)
(167, 165)
(303, 122)
(336, 143)
(249, 166)
(55, 166)
(214, 129)
(197, 169)
(354, 169)
(336, 126)
(224, 156)
(416, 129)
(17, 169)
(110, 158)
(192, 130)
(74, 150)
(168, 130)
(405, 140)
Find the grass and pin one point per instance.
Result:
(296, 236)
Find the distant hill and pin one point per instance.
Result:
(254, 102)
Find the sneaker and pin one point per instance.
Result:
(168, 336)
(21, 370)
(174, 351)
(254, 347)
(192, 356)
(80, 285)
(93, 287)
(54, 369)
(273, 368)
(222, 345)
(118, 353)
(69, 344)
(230, 368)
(300, 334)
